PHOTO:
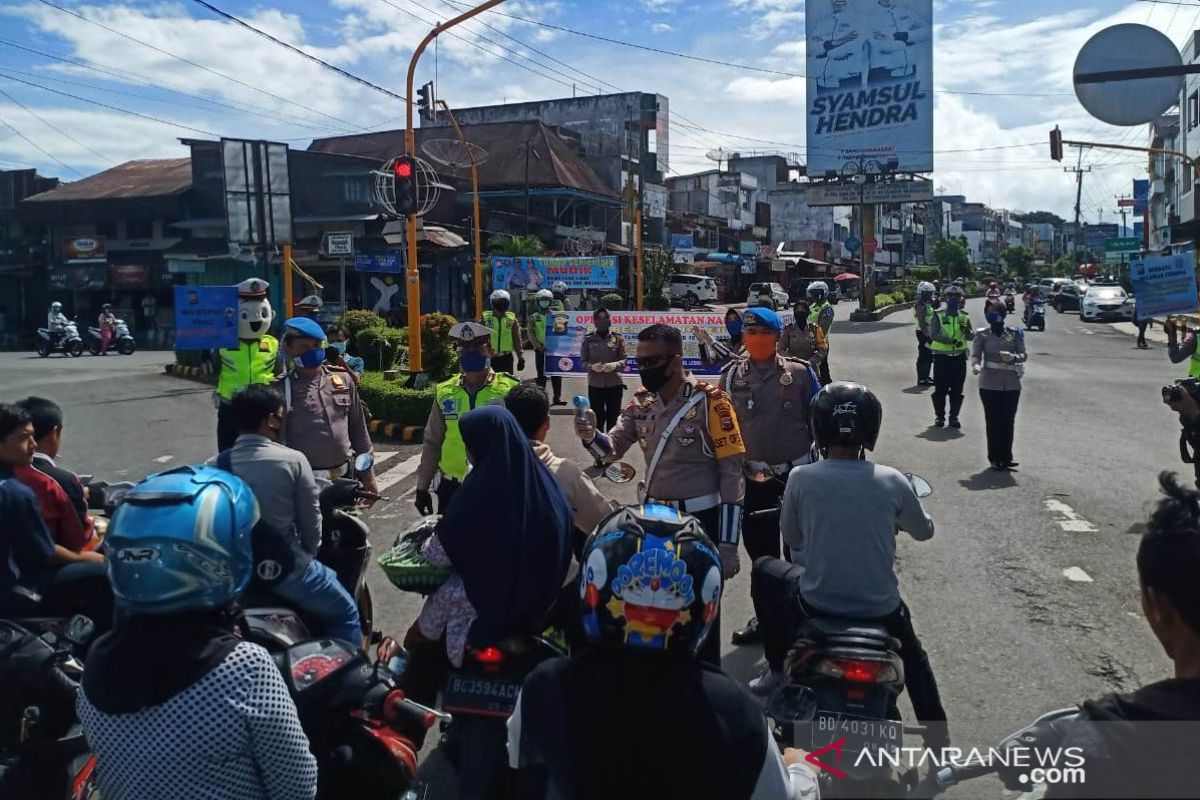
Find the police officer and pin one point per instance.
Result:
(545, 303)
(949, 332)
(252, 361)
(443, 452)
(998, 358)
(820, 314)
(559, 290)
(922, 312)
(506, 333)
(770, 394)
(310, 306)
(323, 416)
(689, 435)
(603, 357)
(803, 341)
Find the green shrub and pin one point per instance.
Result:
(392, 401)
(356, 321)
(612, 301)
(657, 303)
(378, 347)
(927, 273)
(438, 356)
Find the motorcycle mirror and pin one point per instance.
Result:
(79, 630)
(920, 486)
(364, 462)
(757, 471)
(792, 703)
(620, 472)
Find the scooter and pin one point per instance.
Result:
(1035, 315)
(121, 340)
(68, 341)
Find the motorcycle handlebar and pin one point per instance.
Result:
(64, 682)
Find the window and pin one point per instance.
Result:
(139, 229)
(1193, 110)
(355, 190)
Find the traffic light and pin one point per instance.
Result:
(425, 100)
(404, 170)
(1056, 150)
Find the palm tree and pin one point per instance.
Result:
(516, 246)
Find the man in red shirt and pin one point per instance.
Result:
(66, 517)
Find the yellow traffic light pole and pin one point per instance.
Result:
(413, 274)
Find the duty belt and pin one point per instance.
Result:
(692, 505)
(1001, 365)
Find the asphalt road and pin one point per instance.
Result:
(1025, 598)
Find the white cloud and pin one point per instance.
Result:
(661, 27)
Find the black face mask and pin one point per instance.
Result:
(654, 378)
(998, 327)
(500, 306)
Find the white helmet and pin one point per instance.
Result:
(55, 306)
(500, 294)
(954, 290)
(925, 287)
(559, 287)
(544, 294)
(818, 290)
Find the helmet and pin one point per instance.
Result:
(180, 541)
(558, 287)
(106, 307)
(954, 290)
(651, 581)
(56, 306)
(544, 294)
(817, 290)
(846, 413)
(925, 288)
(500, 295)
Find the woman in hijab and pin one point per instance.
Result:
(508, 537)
(714, 352)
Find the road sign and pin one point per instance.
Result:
(341, 244)
(852, 244)
(870, 244)
(1123, 244)
(1128, 101)
(1125, 202)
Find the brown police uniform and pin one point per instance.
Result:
(604, 388)
(324, 419)
(808, 345)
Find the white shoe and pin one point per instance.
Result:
(768, 681)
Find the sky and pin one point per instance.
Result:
(77, 97)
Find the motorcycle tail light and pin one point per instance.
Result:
(489, 656)
(857, 671)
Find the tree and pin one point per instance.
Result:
(657, 266)
(1019, 259)
(1040, 217)
(1063, 268)
(516, 246)
(952, 258)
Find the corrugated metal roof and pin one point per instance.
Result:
(162, 177)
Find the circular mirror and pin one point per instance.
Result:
(364, 462)
(620, 472)
(920, 486)
(757, 471)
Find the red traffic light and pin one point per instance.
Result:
(403, 169)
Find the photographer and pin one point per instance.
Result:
(1181, 398)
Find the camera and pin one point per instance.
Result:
(1173, 393)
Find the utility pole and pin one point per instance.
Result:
(1121, 209)
(1079, 170)
(527, 147)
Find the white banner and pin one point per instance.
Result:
(870, 86)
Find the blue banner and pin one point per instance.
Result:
(1164, 285)
(379, 262)
(206, 317)
(531, 274)
(1141, 195)
(682, 241)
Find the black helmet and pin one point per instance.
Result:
(651, 581)
(106, 307)
(846, 413)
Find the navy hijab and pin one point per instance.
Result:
(508, 530)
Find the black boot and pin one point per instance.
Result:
(751, 634)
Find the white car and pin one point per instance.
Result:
(1105, 303)
(778, 294)
(693, 289)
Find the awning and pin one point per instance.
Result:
(725, 258)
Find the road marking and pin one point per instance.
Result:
(1076, 575)
(164, 459)
(398, 473)
(1066, 518)
(385, 456)
(1087, 332)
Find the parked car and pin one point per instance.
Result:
(693, 289)
(1067, 298)
(1051, 286)
(1105, 303)
(778, 294)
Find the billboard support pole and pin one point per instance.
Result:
(287, 279)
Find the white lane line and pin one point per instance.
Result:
(386, 456)
(1065, 517)
(1076, 575)
(164, 459)
(1086, 332)
(398, 473)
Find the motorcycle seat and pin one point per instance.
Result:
(867, 631)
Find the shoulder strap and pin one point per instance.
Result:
(697, 397)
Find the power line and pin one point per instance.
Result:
(54, 127)
(46, 152)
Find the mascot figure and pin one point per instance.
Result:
(254, 358)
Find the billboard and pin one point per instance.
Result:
(379, 262)
(531, 274)
(84, 249)
(1164, 285)
(874, 193)
(1141, 195)
(870, 86)
(206, 317)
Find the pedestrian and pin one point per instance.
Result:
(324, 417)
(1142, 323)
(505, 332)
(443, 454)
(821, 314)
(998, 358)
(1182, 349)
(338, 341)
(922, 311)
(603, 356)
(537, 332)
(689, 435)
(949, 332)
(771, 395)
(252, 361)
(803, 341)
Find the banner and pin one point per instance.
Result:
(84, 249)
(1141, 195)
(389, 262)
(565, 331)
(1164, 285)
(205, 317)
(531, 274)
(870, 86)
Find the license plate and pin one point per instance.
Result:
(859, 732)
(467, 693)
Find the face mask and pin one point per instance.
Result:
(654, 378)
(760, 346)
(734, 326)
(602, 328)
(474, 362)
(500, 307)
(339, 346)
(995, 319)
(313, 358)
(543, 303)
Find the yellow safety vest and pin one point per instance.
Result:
(251, 362)
(1194, 364)
(454, 401)
(951, 326)
(814, 313)
(502, 331)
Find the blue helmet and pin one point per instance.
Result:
(180, 541)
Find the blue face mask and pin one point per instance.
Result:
(313, 358)
(734, 326)
(339, 346)
(474, 362)
(995, 318)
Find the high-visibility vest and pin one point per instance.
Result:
(251, 362)
(814, 313)
(1194, 364)
(952, 326)
(454, 401)
(502, 331)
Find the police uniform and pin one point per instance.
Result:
(772, 407)
(821, 314)
(948, 335)
(537, 333)
(999, 387)
(807, 343)
(324, 419)
(251, 362)
(506, 339)
(604, 388)
(442, 449)
(922, 311)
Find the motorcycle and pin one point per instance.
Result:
(1035, 315)
(67, 341)
(1010, 302)
(121, 340)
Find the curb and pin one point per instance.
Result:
(412, 434)
(188, 372)
(874, 316)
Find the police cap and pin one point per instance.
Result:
(308, 328)
(763, 317)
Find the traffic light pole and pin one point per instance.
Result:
(475, 209)
(413, 275)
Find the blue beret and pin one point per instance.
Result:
(305, 327)
(760, 315)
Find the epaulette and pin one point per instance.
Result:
(709, 389)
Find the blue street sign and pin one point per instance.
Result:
(853, 244)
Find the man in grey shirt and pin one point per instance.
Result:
(840, 517)
(288, 533)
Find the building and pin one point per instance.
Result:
(793, 221)
(1166, 222)
(23, 256)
